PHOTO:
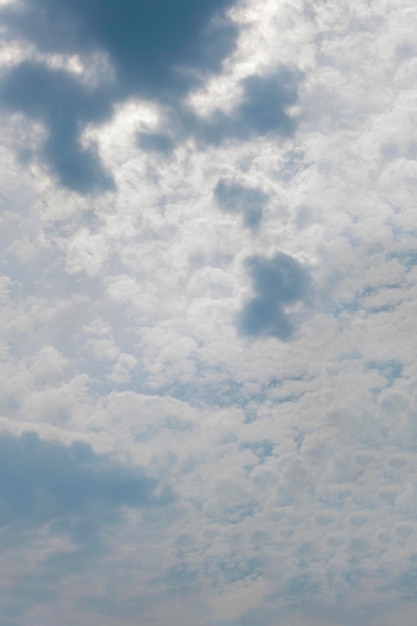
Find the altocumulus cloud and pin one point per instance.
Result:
(293, 456)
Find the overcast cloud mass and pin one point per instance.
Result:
(208, 286)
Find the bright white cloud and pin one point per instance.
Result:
(292, 462)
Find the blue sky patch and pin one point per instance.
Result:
(277, 282)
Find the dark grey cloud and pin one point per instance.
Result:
(277, 282)
(234, 198)
(157, 48)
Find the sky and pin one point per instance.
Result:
(208, 286)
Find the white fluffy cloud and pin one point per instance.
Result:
(291, 458)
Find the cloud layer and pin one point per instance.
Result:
(208, 303)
